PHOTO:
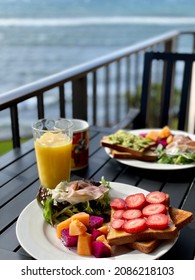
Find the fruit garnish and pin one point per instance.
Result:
(156, 208)
(118, 214)
(156, 197)
(117, 224)
(117, 203)
(158, 221)
(135, 225)
(132, 214)
(135, 201)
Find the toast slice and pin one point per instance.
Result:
(120, 237)
(179, 217)
(147, 155)
(124, 141)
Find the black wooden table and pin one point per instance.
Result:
(19, 185)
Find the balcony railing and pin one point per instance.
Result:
(100, 91)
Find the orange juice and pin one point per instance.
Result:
(53, 154)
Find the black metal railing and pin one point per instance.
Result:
(100, 91)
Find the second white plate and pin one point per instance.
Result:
(154, 165)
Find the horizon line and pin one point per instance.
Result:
(80, 21)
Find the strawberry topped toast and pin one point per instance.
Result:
(141, 217)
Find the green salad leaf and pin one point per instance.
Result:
(178, 158)
(55, 210)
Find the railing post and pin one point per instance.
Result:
(94, 98)
(79, 98)
(193, 43)
(146, 86)
(15, 126)
(40, 106)
(62, 101)
(191, 115)
(170, 45)
(167, 91)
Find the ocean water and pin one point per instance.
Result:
(42, 37)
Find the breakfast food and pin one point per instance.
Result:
(146, 156)
(179, 217)
(87, 220)
(89, 235)
(154, 221)
(138, 221)
(162, 222)
(73, 197)
(123, 141)
(86, 233)
(155, 145)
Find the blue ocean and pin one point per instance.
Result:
(41, 37)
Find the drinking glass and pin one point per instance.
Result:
(53, 145)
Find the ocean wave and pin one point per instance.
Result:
(96, 21)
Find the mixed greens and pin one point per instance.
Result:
(69, 198)
(179, 157)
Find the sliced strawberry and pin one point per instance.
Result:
(135, 201)
(132, 214)
(158, 221)
(117, 224)
(117, 203)
(156, 208)
(135, 225)
(156, 197)
(118, 214)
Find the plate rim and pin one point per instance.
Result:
(152, 165)
(39, 255)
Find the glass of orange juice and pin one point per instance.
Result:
(53, 145)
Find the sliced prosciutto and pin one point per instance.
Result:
(77, 191)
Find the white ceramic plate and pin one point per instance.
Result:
(39, 238)
(154, 165)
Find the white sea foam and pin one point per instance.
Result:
(80, 21)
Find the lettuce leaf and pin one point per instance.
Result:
(178, 158)
(55, 211)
